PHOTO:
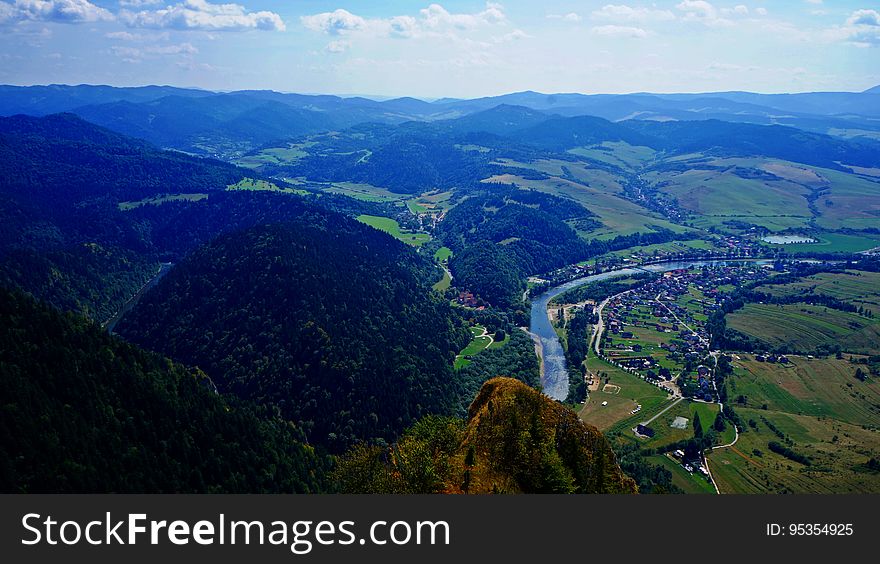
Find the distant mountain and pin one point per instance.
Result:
(57, 98)
(875, 90)
(211, 124)
(564, 133)
(85, 412)
(500, 120)
(333, 322)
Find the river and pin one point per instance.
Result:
(554, 368)
(110, 324)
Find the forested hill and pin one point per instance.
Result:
(335, 326)
(85, 412)
(63, 237)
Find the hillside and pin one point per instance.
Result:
(515, 440)
(85, 412)
(62, 235)
(334, 324)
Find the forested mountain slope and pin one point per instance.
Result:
(333, 324)
(85, 412)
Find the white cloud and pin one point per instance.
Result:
(433, 20)
(514, 35)
(334, 23)
(862, 28)
(738, 10)
(620, 31)
(137, 54)
(338, 46)
(569, 17)
(814, 1)
(702, 12)
(138, 3)
(203, 15)
(761, 11)
(60, 11)
(624, 13)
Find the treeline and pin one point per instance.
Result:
(86, 412)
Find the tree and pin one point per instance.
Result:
(698, 427)
(720, 425)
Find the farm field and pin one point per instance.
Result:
(856, 287)
(821, 387)
(618, 153)
(804, 328)
(666, 434)
(364, 192)
(618, 216)
(292, 152)
(838, 453)
(834, 243)
(254, 184)
(623, 391)
(391, 227)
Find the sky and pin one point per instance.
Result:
(453, 48)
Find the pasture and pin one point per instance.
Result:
(391, 227)
(804, 328)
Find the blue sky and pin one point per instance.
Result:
(450, 48)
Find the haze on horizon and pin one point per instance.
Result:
(455, 48)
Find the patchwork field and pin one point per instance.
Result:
(837, 451)
(821, 387)
(856, 287)
(619, 154)
(804, 328)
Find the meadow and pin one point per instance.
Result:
(391, 227)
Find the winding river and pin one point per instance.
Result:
(554, 369)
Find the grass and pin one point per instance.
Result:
(803, 327)
(619, 154)
(859, 288)
(838, 452)
(363, 192)
(391, 227)
(478, 344)
(444, 283)
(256, 185)
(822, 387)
(156, 200)
(443, 254)
(689, 483)
(834, 243)
(632, 391)
(618, 216)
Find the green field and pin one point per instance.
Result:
(619, 154)
(689, 483)
(602, 197)
(624, 393)
(859, 288)
(444, 283)
(291, 153)
(479, 343)
(253, 184)
(838, 453)
(803, 327)
(823, 387)
(834, 243)
(391, 227)
(363, 192)
(443, 254)
(156, 200)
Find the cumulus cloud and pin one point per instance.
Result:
(702, 12)
(60, 11)
(620, 31)
(569, 17)
(434, 19)
(624, 13)
(203, 15)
